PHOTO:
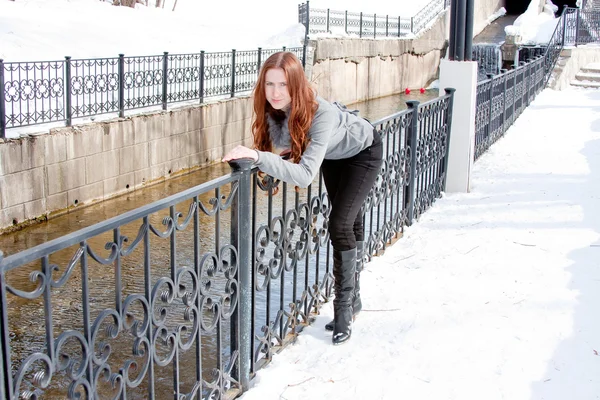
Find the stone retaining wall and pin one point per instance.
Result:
(47, 174)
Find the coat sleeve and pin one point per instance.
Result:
(303, 173)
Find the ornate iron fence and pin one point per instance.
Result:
(188, 296)
(317, 20)
(582, 26)
(501, 99)
(52, 91)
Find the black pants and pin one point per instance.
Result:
(348, 183)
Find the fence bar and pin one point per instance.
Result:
(233, 73)
(201, 89)
(387, 26)
(491, 94)
(2, 108)
(327, 21)
(576, 28)
(374, 26)
(304, 56)
(346, 21)
(242, 216)
(121, 71)
(450, 92)
(165, 76)
(413, 105)
(360, 29)
(5, 366)
(307, 23)
(68, 113)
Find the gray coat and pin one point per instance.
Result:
(335, 133)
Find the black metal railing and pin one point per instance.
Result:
(582, 26)
(501, 99)
(188, 296)
(317, 20)
(53, 91)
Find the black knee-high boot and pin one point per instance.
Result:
(344, 269)
(356, 304)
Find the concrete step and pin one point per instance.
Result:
(591, 69)
(585, 84)
(565, 53)
(588, 76)
(562, 61)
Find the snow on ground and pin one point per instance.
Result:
(491, 295)
(42, 30)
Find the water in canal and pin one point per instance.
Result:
(27, 317)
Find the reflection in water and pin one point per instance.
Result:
(27, 317)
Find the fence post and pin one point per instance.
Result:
(307, 23)
(563, 18)
(258, 61)
(412, 24)
(449, 92)
(201, 76)
(327, 30)
(491, 94)
(374, 26)
(503, 73)
(2, 109)
(399, 23)
(165, 75)
(304, 57)
(387, 26)
(514, 96)
(577, 28)
(360, 29)
(68, 112)
(346, 22)
(413, 105)
(5, 365)
(233, 73)
(121, 85)
(241, 239)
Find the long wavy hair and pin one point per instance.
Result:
(302, 108)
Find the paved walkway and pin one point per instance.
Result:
(494, 32)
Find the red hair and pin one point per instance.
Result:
(302, 108)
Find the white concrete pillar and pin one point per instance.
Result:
(461, 75)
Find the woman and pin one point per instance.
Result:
(291, 119)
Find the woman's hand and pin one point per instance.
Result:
(241, 152)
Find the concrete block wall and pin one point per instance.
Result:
(483, 10)
(47, 174)
(351, 70)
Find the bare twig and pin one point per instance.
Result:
(476, 247)
(525, 244)
(300, 383)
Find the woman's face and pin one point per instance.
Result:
(276, 89)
